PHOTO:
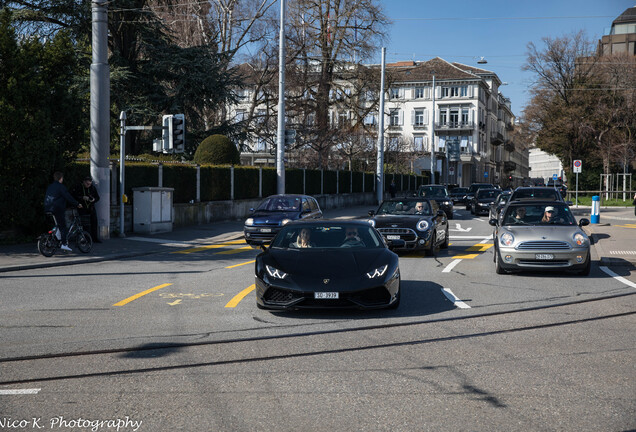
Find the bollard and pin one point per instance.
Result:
(596, 206)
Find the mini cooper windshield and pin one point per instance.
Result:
(409, 207)
(538, 214)
(327, 236)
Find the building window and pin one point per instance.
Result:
(261, 145)
(396, 93)
(443, 117)
(419, 117)
(419, 93)
(454, 117)
(395, 117)
(418, 143)
(465, 119)
(455, 91)
(370, 119)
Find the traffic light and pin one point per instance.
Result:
(173, 138)
(177, 133)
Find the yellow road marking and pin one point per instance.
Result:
(238, 265)
(234, 251)
(141, 294)
(214, 246)
(176, 302)
(466, 256)
(627, 226)
(479, 247)
(237, 298)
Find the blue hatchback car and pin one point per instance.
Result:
(274, 212)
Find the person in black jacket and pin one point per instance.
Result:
(55, 202)
(86, 193)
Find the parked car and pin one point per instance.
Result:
(500, 203)
(440, 194)
(474, 188)
(421, 228)
(274, 212)
(345, 264)
(482, 200)
(531, 193)
(540, 235)
(458, 195)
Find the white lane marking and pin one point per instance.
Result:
(617, 277)
(452, 297)
(487, 239)
(449, 267)
(20, 391)
(458, 227)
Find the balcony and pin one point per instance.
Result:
(509, 166)
(454, 126)
(509, 146)
(497, 139)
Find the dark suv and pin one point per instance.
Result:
(439, 193)
(537, 193)
(474, 188)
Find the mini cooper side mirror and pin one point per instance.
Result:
(492, 222)
(371, 213)
(583, 222)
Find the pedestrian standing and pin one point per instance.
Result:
(85, 192)
(634, 202)
(55, 202)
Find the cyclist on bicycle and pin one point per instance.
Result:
(55, 202)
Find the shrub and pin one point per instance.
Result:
(217, 150)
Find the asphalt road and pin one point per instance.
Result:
(174, 341)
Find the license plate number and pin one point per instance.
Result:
(266, 230)
(393, 237)
(544, 256)
(326, 295)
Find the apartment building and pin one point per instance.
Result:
(463, 118)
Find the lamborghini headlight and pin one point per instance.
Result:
(275, 273)
(377, 272)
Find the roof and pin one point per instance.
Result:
(629, 16)
(409, 71)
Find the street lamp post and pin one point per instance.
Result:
(433, 136)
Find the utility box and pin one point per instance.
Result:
(152, 209)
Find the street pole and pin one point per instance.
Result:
(280, 148)
(100, 115)
(379, 177)
(122, 160)
(433, 136)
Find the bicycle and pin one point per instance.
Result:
(50, 242)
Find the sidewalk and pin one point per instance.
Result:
(27, 256)
(613, 239)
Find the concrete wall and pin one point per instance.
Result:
(214, 211)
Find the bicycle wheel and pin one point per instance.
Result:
(84, 242)
(47, 245)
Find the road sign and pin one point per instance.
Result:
(451, 170)
(485, 174)
(578, 166)
(555, 176)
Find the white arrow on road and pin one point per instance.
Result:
(458, 227)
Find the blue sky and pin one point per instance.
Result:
(465, 30)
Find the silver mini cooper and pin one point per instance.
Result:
(540, 235)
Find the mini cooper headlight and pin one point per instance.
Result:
(579, 239)
(372, 222)
(285, 221)
(249, 221)
(378, 272)
(422, 225)
(507, 239)
(275, 273)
